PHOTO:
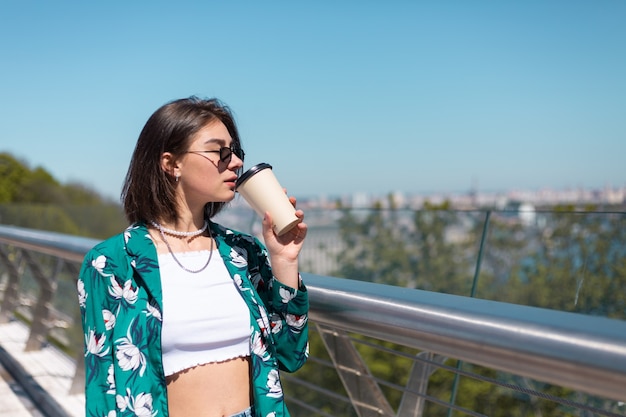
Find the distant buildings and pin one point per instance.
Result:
(475, 199)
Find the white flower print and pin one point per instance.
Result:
(127, 292)
(295, 321)
(123, 401)
(141, 405)
(286, 295)
(237, 260)
(109, 319)
(82, 294)
(112, 413)
(263, 322)
(153, 311)
(95, 344)
(273, 385)
(258, 347)
(111, 380)
(99, 263)
(272, 414)
(238, 281)
(129, 357)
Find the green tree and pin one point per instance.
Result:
(443, 264)
(506, 245)
(375, 247)
(35, 199)
(578, 264)
(39, 187)
(38, 216)
(12, 174)
(79, 194)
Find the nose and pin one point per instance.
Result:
(235, 162)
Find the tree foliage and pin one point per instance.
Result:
(576, 262)
(33, 198)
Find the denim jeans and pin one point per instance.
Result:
(245, 413)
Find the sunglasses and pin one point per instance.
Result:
(225, 152)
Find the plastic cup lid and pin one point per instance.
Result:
(251, 172)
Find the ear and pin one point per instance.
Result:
(170, 165)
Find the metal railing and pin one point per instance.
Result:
(430, 332)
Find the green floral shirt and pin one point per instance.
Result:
(119, 291)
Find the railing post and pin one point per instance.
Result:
(367, 398)
(78, 382)
(414, 398)
(11, 293)
(41, 314)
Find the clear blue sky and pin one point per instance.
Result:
(340, 96)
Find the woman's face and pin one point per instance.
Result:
(204, 176)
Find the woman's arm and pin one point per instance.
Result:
(98, 346)
(284, 250)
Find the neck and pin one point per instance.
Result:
(182, 232)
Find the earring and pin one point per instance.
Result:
(177, 176)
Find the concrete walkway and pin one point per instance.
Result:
(48, 373)
(13, 400)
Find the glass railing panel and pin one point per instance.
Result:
(432, 250)
(568, 261)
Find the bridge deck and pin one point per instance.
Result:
(48, 368)
(13, 400)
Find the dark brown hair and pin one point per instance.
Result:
(149, 192)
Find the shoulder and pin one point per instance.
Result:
(133, 237)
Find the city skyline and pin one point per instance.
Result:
(413, 97)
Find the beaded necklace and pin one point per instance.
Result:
(163, 230)
(181, 234)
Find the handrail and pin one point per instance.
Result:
(67, 247)
(582, 352)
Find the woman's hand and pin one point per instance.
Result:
(284, 249)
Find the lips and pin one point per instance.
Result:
(231, 182)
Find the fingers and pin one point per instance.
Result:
(297, 233)
(301, 229)
(267, 219)
(267, 225)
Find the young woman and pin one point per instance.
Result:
(182, 316)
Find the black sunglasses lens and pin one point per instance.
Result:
(225, 154)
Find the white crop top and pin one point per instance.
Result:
(205, 319)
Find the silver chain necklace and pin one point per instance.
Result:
(162, 230)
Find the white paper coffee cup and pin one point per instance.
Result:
(260, 188)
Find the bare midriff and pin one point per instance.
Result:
(210, 390)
